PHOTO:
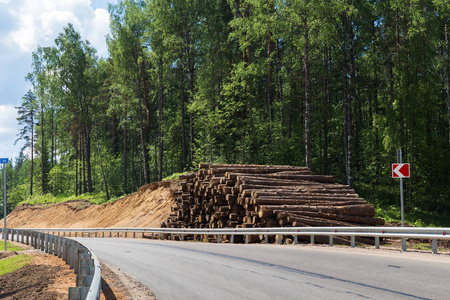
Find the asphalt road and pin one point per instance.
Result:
(186, 270)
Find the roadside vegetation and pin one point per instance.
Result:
(333, 85)
(10, 246)
(11, 264)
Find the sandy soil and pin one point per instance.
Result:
(48, 277)
(150, 206)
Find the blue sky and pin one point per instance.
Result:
(25, 24)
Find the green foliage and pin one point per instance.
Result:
(226, 82)
(10, 247)
(12, 264)
(49, 199)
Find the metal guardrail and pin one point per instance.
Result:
(433, 234)
(78, 257)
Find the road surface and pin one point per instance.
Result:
(186, 270)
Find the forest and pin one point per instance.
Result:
(334, 85)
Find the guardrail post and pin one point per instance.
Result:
(182, 237)
(280, 237)
(295, 239)
(76, 293)
(45, 242)
(377, 242)
(403, 244)
(75, 234)
(434, 246)
(312, 239)
(12, 235)
(331, 241)
(218, 238)
(353, 241)
(246, 238)
(103, 234)
(153, 235)
(232, 239)
(126, 235)
(266, 239)
(42, 238)
(134, 235)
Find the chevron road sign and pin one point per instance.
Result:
(400, 170)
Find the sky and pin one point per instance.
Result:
(27, 24)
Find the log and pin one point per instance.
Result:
(262, 201)
(186, 176)
(365, 210)
(289, 180)
(318, 197)
(254, 169)
(299, 192)
(319, 222)
(346, 218)
(280, 175)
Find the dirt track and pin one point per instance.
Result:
(150, 206)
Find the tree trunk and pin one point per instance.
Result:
(32, 153)
(326, 115)
(183, 130)
(125, 189)
(447, 71)
(351, 98)
(191, 99)
(101, 166)
(307, 95)
(141, 127)
(77, 154)
(88, 158)
(161, 99)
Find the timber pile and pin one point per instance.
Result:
(246, 196)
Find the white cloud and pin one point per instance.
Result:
(38, 22)
(8, 131)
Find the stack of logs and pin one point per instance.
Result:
(246, 196)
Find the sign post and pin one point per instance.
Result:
(4, 161)
(400, 170)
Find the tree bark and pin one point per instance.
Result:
(183, 130)
(141, 125)
(101, 166)
(307, 94)
(447, 71)
(32, 152)
(125, 167)
(161, 99)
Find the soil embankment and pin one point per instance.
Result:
(150, 206)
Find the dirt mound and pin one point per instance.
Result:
(46, 277)
(150, 206)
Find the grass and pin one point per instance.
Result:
(12, 264)
(174, 176)
(10, 246)
(49, 199)
(387, 204)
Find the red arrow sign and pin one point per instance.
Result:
(400, 170)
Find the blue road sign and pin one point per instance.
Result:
(3, 160)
